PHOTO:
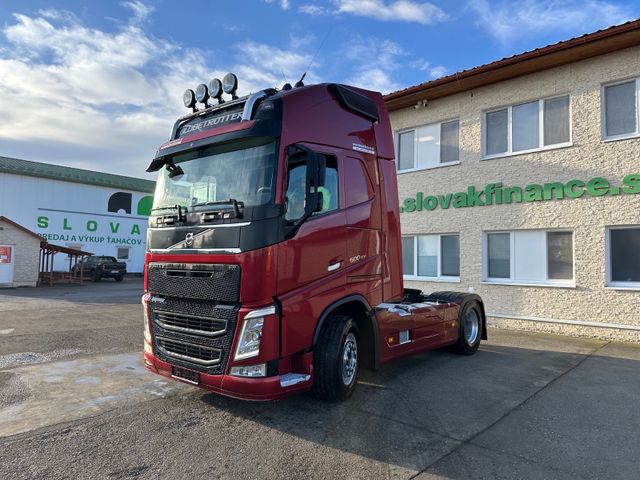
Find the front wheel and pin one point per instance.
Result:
(335, 360)
(118, 278)
(470, 328)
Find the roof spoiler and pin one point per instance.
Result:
(355, 102)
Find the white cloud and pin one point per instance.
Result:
(399, 10)
(375, 63)
(82, 96)
(284, 4)
(140, 10)
(111, 95)
(507, 21)
(312, 9)
(434, 71)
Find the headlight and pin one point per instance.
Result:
(251, 333)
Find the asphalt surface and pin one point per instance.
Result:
(76, 403)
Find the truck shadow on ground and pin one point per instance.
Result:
(420, 413)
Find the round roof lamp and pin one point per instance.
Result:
(215, 90)
(202, 94)
(230, 84)
(189, 99)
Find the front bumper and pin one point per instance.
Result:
(256, 389)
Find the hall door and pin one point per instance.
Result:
(6, 263)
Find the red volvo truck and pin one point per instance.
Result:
(274, 260)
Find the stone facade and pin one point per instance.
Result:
(587, 157)
(26, 253)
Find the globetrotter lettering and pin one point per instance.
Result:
(497, 194)
(212, 122)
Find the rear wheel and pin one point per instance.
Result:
(95, 276)
(470, 329)
(335, 360)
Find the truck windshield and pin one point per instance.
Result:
(242, 171)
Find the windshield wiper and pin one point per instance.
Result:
(231, 201)
(180, 209)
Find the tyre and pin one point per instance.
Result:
(335, 360)
(118, 278)
(95, 276)
(470, 328)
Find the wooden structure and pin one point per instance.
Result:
(47, 275)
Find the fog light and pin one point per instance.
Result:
(259, 370)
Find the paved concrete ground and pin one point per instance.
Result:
(74, 403)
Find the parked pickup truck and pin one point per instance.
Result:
(98, 267)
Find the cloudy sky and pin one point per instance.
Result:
(98, 85)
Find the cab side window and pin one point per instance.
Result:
(360, 189)
(330, 188)
(296, 188)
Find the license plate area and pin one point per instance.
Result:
(114, 271)
(185, 375)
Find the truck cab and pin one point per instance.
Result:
(273, 260)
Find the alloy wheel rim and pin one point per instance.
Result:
(471, 327)
(349, 359)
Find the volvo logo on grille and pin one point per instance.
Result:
(188, 240)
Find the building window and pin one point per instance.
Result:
(529, 257)
(429, 146)
(621, 109)
(435, 257)
(527, 127)
(123, 253)
(623, 257)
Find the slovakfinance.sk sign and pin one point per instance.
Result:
(498, 194)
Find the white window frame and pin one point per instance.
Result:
(541, 146)
(123, 259)
(549, 282)
(415, 147)
(603, 111)
(439, 277)
(610, 284)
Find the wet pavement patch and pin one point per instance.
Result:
(78, 388)
(30, 358)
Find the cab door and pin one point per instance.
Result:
(310, 263)
(363, 228)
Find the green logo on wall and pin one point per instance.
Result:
(497, 194)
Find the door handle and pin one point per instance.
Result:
(334, 266)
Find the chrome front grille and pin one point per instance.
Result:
(182, 322)
(194, 334)
(189, 351)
